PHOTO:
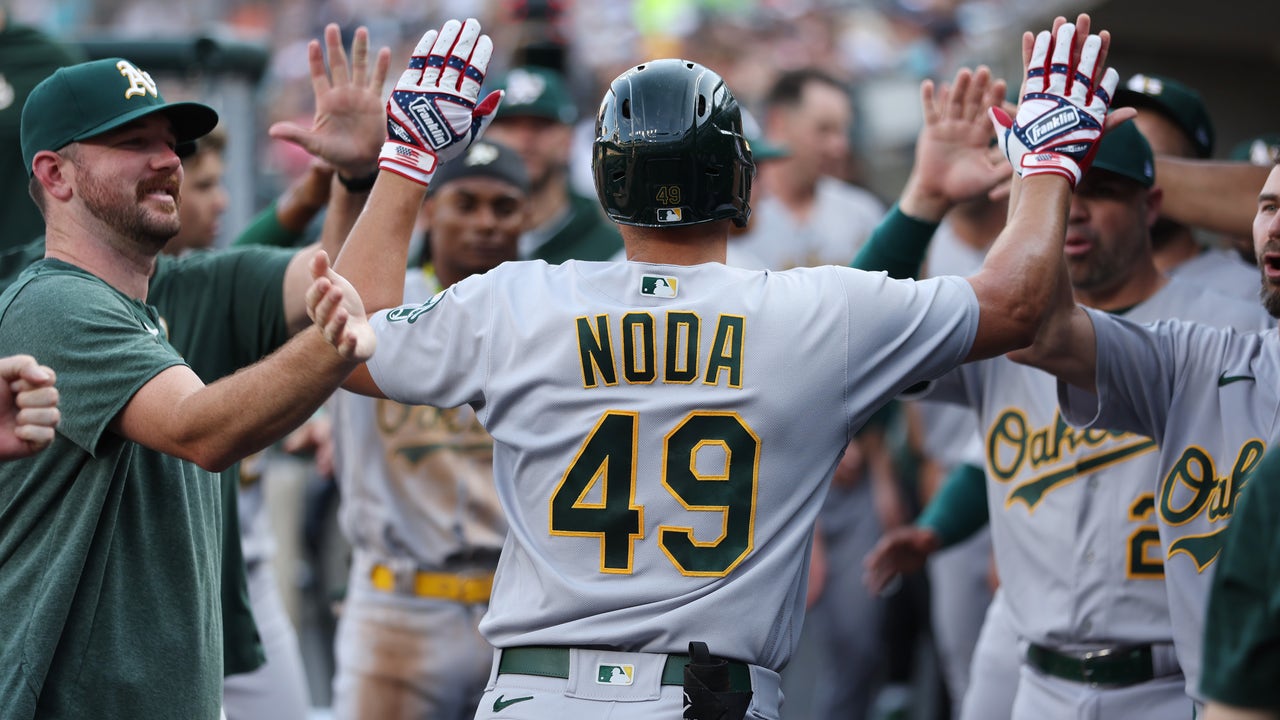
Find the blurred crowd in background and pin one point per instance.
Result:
(881, 47)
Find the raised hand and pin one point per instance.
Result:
(953, 150)
(335, 307)
(900, 551)
(433, 113)
(28, 407)
(1064, 102)
(350, 121)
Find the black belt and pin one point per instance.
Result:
(554, 662)
(1118, 666)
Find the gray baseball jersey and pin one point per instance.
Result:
(1208, 398)
(1073, 512)
(663, 434)
(417, 482)
(840, 221)
(1222, 271)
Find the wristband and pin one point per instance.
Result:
(358, 185)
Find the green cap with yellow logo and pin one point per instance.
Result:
(533, 91)
(1177, 102)
(81, 101)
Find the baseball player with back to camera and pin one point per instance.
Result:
(1206, 396)
(659, 460)
(1072, 513)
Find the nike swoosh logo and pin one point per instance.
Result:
(1225, 379)
(502, 704)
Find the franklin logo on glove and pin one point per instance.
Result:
(1050, 125)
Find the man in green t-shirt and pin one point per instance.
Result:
(1242, 626)
(111, 560)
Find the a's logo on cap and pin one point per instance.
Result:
(481, 153)
(658, 286)
(7, 93)
(1261, 153)
(524, 87)
(615, 674)
(1146, 85)
(140, 83)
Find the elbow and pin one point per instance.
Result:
(214, 462)
(1024, 320)
(208, 456)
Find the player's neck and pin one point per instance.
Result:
(1142, 284)
(123, 265)
(1175, 250)
(686, 245)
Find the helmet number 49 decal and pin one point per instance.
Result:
(668, 195)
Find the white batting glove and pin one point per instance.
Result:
(1061, 115)
(432, 114)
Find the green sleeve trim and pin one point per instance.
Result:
(959, 509)
(897, 245)
(265, 229)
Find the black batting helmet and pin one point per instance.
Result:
(669, 148)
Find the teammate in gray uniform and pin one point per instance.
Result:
(664, 428)
(418, 500)
(809, 216)
(1059, 502)
(1204, 394)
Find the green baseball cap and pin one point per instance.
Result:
(533, 91)
(78, 102)
(1177, 102)
(1261, 150)
(1124, 151)
(761, 148)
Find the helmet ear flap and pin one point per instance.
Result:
(670, 148)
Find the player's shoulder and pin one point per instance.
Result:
(1194, 302)
(63, 284)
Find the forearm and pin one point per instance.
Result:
(1217, 196)
(376, 252)
(959, 509)
(1017, 283)
(897, 245)
(253, 408)
(344, 208)
(340, 218)
(1065, 345)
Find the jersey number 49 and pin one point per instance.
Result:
(608, 457)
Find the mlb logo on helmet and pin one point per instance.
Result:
(658, 286)
(669, 215)
(615, 674)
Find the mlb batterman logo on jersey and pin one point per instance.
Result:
(615, 674)
(658, 286)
